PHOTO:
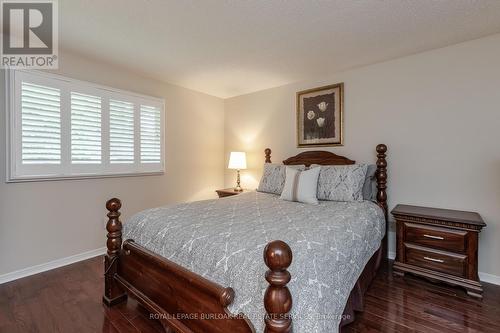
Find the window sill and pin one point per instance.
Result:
(80, 177)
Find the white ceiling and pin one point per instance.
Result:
(232, 47)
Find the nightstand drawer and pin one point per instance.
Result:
(441, 261)
(436, 237)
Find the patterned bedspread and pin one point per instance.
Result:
(223, 240)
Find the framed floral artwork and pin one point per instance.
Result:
(319, 116)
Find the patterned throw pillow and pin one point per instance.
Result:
(370, 184)
(301, 186)
(341, 182)
(273, 177)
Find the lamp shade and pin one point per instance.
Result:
(237, 160)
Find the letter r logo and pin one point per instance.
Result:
(27, 27)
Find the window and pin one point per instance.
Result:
(121, 132)
(85, 128)
(64, 128)
(40, 124)
(150, 134)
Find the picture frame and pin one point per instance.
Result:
(320, 113)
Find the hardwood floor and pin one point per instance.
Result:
(68, 299)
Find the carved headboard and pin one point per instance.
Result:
(328, 158)
(308, 158)
(317, 157)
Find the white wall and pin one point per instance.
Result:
(438, 112)
(44, 221)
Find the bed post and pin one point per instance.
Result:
(112, 292)
(277, 299)
(381, 191)
(267, 151)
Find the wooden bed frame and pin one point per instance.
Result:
(186, 302)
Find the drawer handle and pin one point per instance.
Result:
(434, 237)
(435, 260)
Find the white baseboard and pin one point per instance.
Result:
(51, 265)
(490, 278)
(484, 277)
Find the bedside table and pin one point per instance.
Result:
(438, 244)
(227, 192)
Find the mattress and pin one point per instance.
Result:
(223, 241)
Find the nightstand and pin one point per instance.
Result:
(439, 244)
(227, 192)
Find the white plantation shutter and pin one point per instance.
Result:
(63, 128)
(41, 124)
(150, 134)
(121, 132)
(85, 128)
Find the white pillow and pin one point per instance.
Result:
(300, 185)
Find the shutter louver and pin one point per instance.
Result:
(41, 124)
(121, 132)
(150, 134)
(85, 129)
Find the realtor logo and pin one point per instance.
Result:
(29, 34)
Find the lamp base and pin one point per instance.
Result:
(238, 186)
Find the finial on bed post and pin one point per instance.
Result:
(112, 293)
(381, 190)
(267, 151)
(277, 299)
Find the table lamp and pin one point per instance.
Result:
(237, 161)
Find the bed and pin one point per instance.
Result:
(177, 258)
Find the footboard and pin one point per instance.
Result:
(182, 300)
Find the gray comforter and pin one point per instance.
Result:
(223, 240)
